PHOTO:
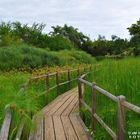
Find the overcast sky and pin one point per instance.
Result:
(92, 17)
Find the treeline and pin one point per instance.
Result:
(68, 37)
(27, 47)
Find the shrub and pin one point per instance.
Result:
(58, 42)
(25, 56)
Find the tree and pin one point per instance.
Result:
(71, 33)
(32, 35)
(134, 31)
(7, 37)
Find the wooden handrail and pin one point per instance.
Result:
(20, 130)
(131, 107)
(6, 125)
(106, 93)
(85, 82)
(120, 100)
(8, 117)
(106, 127)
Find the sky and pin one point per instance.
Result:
(92, 17)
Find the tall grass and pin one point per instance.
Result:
(25, 56)
(120, 77)
(25, 104)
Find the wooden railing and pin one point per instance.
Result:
(57, 76)
(6, 124)
(121, 103)
(4, 132)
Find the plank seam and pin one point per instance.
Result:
(73, 128)
(53, 128)
(73, 108)
(58, 98)
(60, 105)
(63, 127)
(68, 105)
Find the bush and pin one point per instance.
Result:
(99, 58)
(73, 57)
(25, 56)
(58, 42)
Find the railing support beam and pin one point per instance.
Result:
(80, 95)
(93, 107)
(121, 118)
(69, 79)
(57, 82)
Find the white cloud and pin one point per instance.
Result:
(92, 17)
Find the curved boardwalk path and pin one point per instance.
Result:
(61, 120)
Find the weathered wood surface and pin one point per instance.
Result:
(60, 120)
(4, 132)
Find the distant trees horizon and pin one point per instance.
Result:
(68, 37)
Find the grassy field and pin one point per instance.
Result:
(120, 77)
(25, 104)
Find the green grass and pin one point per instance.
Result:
(120, 77)
(9, 87)
(26, 103)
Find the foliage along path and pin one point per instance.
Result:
(61, 120)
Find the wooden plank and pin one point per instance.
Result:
(49, 128)
(39, 132)
(59, 104)
(93, 107)
(58, 99)
(20, 130)
(76, 108)
(32, 132)
(69, 131)
(78, 128)
(84, 127)
(59, 131)
(121, 118)
(131, 107)
(6, 125)
(69, 109)
(65, 105)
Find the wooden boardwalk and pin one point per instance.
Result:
(61, 120)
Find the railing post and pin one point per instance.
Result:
(47, 82)
(93, 106)
(121, 118)
(57, 82)
(80, 95)
(84, 70)
(84, 83)
(69, 79)
(4, 131)
(78, 72)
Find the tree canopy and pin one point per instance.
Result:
(68, 37)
